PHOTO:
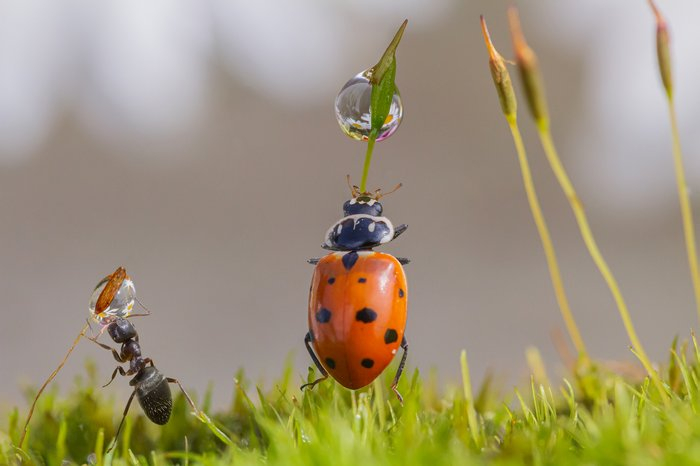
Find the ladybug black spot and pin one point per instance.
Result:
(323, 315)
(390, 336)
(349, 259)
(331, 280)
(367, 363)
(401, 293)
(362, 280)
(366, 315)
(330, 362)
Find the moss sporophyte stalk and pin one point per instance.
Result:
(507, 99)
(537, 105)
(663, 52)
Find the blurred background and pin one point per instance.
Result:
(194, 142)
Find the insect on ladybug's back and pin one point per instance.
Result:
(357, 314)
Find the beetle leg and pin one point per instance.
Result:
(399, 229)
(324, 374)
(395, 383)
(114, 374)
(126, 410)
(403, 260)
(187, 396)
(115, 353)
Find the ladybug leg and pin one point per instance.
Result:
(324, 374)
(119, 429)
(399, 229)
(403, 260)
(313, 261)
(395, 383)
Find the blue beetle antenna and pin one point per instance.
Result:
(355, 191)
(378, 193)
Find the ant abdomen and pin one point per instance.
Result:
(153, 393)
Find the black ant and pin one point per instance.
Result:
(111, 309)
(151, 387)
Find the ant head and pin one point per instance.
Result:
(121, 330)
(366, 203)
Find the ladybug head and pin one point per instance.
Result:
(365, 202)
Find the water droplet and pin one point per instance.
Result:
(121, 306)
(92, 459)
(352, 110)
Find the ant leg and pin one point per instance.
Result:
(324, 374)
(395, 383)
(48, 381)
(119, 429)
(147, 313)
(114, 374)
(115, 353)
(187, 396)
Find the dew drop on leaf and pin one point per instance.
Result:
(352, 109)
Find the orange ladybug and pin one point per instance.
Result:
(358, 298)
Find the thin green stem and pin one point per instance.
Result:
(547, 245)
(582, 220)
(684, 198)
(469, 399)
(368, 160)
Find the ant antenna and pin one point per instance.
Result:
(51, 377)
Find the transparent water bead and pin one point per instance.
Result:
(121, 306)
(353, 113)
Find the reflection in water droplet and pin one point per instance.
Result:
(121, 306)
(353, 113)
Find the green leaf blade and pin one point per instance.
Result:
(382, 96)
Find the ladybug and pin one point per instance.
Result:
(358, 298)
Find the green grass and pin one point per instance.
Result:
(596, 417)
